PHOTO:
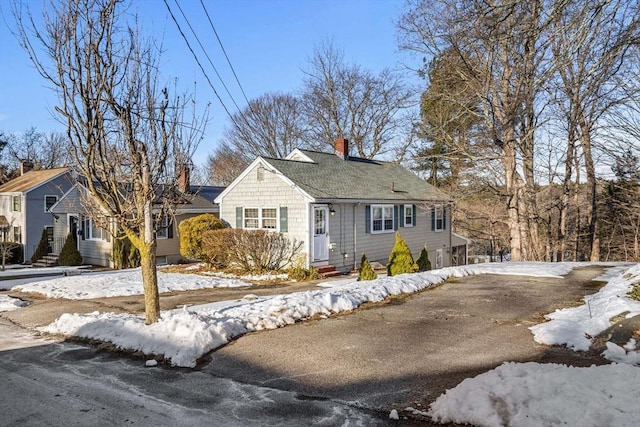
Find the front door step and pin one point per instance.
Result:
(328, 271)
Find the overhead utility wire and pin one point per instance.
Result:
(224, 51)
(198, 61)
(207, 55)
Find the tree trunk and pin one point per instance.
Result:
(512, 182)
(566, 194)
(593, 242)
(150, 283)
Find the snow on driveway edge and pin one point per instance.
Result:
(183, 336)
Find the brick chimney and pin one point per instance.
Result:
(184, 183)
(342, 148)
(25, 166)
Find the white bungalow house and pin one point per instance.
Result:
(341, 207)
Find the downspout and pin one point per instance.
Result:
(355, 237)
(450, 234)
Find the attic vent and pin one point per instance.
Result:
(260, 173)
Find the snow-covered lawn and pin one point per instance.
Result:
(575, 326)
(527, 394)
(122, 283)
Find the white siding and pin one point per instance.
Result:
(270, 192)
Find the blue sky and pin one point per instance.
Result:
(268, 42)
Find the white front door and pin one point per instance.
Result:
(320, 233)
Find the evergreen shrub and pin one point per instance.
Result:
(400, 258)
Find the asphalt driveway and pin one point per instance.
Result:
(408, 352)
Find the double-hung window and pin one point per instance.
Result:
(96, 232)
(439, 218)
(162, 231)
(269, 218)
(17, 233)
(408, 215)
(16, 203)
(49, 201)
(381, 218)
(252, 218)
(260, 218)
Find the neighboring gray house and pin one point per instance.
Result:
(25, 202)
(340, 207)
(96, 244)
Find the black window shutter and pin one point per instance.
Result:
(84, 228)
(170, 228)
(402, 214)
(414, 216)
(367, 219)
(239, 217)
(433, 219)
(284, 221)
(444, 218)
(396, 210)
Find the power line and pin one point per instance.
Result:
(207, 55)
(225, 52)
(198, 61)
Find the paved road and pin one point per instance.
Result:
(65, 384)
(346, 370)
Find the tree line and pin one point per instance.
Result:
(529, 105)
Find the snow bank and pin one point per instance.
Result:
(532, 394)
(184, 335)
(575, 326)
(8, 303)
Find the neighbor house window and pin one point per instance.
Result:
(408, 215)
(17, 233)
(16, 203)
(96, 232)
(49, 201)
(381, 218)
(162, 231)
(261, 218)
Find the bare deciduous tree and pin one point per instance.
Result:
(342, 100)
(127, 133)
(590, 42)
(45, 150)
(224, 165)
(500, 55)
(271, 125)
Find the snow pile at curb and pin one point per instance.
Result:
(183, 336)
(576, 326)
(532, 394)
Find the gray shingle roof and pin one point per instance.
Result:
(331, 177)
